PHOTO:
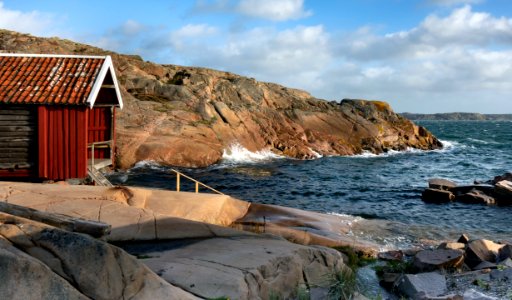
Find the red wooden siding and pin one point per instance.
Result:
(100, 122)
(62, 142)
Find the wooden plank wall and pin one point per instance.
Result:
(62, 142)
(18, 138)
(100, 124)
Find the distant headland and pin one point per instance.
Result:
(458, 116)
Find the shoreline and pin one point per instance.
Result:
(176, 233)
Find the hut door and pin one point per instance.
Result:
(100, 130)
(18, 151)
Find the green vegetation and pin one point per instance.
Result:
(400, 267)
(355, 259)
(208, 122)
(381, 105)
(273, 295)
(302, 292)
(343, 284)
(179, 77)
(482, 284)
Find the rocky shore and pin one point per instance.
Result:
(497, 191)
(462, 269)
(187, 246)
(188, 116)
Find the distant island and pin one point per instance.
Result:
(458, 116)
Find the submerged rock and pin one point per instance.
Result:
(503, 190)
(476, 197)
(437, 196)
(441, 184)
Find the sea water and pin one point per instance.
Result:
(383, 187)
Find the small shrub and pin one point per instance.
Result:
(303, 293)
(401, 267)
(179, 77)
(381, 105)
(343, 284)
(355, 259)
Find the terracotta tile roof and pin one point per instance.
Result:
(50, 79)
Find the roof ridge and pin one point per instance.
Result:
(52, 55)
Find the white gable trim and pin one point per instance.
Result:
(107, 66)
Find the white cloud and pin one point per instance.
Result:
(132, 28)
(459, 61)
(294, 56)
(273, 10)
(194, 30)
(462, 27)
(33, 22)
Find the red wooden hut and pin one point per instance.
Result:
(56, 115)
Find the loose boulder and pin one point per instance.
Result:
(506, 176)
(437, 196)
(441, 184)
(502, 275)
(413, 285)
(503, 191)
(505, 252)
(476, 197)
(429, 260)
(479, 251)
(464, 239)
(451, 246)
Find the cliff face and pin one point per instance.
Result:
(188, 116)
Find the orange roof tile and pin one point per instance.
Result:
(52, 79)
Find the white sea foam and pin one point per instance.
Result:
(409, 150)
(483, 142)
(316, 154)
(237, 154)
(147, 164)
(451, 145)
(354, 218)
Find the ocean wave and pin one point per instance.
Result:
(483, 142)
(238, 154)
(451, 145)
(368, 154)
(353, 218)
(316, 154)
(147, 164)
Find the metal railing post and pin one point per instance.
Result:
(197, 183)
(92, 156)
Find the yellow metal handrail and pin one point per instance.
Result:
(198, 183)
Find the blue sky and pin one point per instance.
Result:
(419, 55)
